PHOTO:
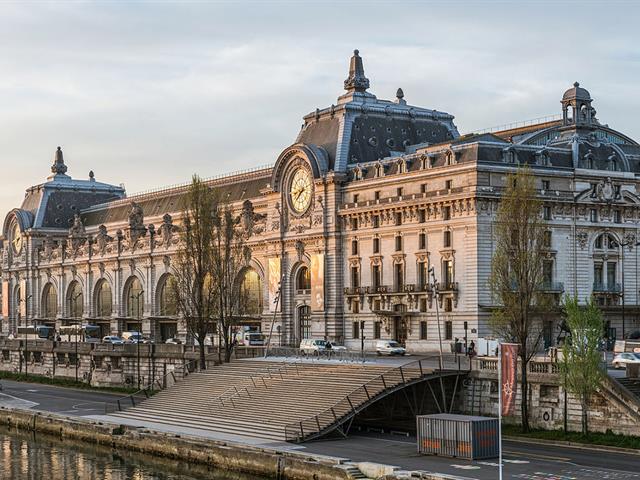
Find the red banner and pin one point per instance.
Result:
(508, 366)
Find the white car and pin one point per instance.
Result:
(334, 347)
(389, 347)
(113, 339)
(313, 346)
(173, 341)
(621, 359)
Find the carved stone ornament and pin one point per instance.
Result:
(166, 260)
(137, 228)
(102, 239)
(300, 249)
(77, 236)
(605, 191)
(251, 222)
(581, 239)
(48, 247)
(166, 230)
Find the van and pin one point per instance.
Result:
(133, 337)
(253, 339)
(389, 347)
(313, 346)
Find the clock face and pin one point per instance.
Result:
(16, 238)
(300, 190)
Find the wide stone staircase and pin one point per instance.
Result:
(278, 401)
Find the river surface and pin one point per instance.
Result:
(40, 457)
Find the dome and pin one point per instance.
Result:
(576, 93)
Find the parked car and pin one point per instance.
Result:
(334, 347)
(173, 341)
(113, 339)
(622, 359)
(312, 346)
(389, 347)
(134, 337)
(249, 338)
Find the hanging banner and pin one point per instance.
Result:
(274, 283)
(5, 299)
(317, 282)
(508, 366)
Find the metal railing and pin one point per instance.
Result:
(358, 399)
(600, 287)
(161, 383)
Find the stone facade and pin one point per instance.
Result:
(350, 221)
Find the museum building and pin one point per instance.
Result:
(376, 223)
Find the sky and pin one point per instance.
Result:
(148, 93)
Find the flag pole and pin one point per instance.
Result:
(500, 410)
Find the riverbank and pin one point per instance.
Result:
(61, 382)
(233, 457)
(614, 442)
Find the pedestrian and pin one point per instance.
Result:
(472, 349)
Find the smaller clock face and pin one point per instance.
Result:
(16, 238)
(300, 190)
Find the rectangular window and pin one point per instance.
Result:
(376, 305)
(376, 245)
(422, 241)
(547, 273)
(546, 239)
(375, 276)
(398, 274)
(355, 198)
(398, 218)
(399, 191)
(355, 277)
(546, 212)
(446, 213)
(447, 273)
(354, 247)
(448, 330)
(423, 188)
(448, 184)
(448, 304)
(611, 274)
(447, 239)
(423, 330)
(376, 195)
(355, 333)
(545, 185)
(376, 330)
(423, 305)
(617, 216)
(597, 275)
(376, 221)
(423, 275)
(354, 224)
(593, 215)
(398, 243)
(422, 215)
(356, 306)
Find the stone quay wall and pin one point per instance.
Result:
(104, 364)
(611, 408)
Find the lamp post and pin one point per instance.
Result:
(434, 286)
(26, 334)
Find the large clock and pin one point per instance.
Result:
(16, 238)
(300, 190)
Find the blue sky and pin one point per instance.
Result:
(147, 93)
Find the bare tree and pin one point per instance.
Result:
(193, 288)
(517, 272)
(229, 255)
(581, 364)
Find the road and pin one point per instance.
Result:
(49, 398)
(523, 461)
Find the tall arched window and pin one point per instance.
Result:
(303, 279)
(251, 293)
(134, 298)
(49, 301)
(167, 304)
(104, 299)
(75, 300)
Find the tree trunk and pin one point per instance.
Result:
(524, 395)
(585, 405)
(203, 363)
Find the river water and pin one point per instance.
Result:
(40, 457)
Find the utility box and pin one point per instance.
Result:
(460, 436)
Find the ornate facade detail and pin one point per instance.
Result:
(102, 240)
(166, 231)
(581, 239)
(136, 228)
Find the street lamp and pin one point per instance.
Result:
(434, 286)
(75, 318)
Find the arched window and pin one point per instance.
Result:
(104, 299)
(167, 302)
(75, 300)
(606, 241)
(49, 301)
(303, 279)
(134, 298)
(251, 292)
